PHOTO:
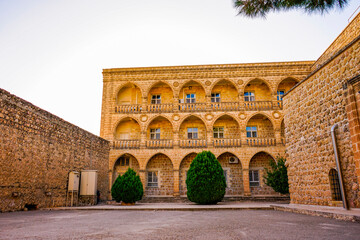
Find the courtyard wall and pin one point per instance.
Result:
(38, 150)
(311, 108)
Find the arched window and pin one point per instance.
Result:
(334, 185)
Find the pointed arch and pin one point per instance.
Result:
(271, 89)
(262, 152)
(155, 84)
(186, 155)
(261, 113)
(122, 163)
(189, 82)
(296, 80)
(130, 84)
(158, 153)
(225, 114)
(193, 115)
(124, 118)
(225, 80)
(123, 154)
(159, 116)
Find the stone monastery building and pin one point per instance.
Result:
(158, 118)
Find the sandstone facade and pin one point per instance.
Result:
(37, 152)
(327, 96)
(158, 118)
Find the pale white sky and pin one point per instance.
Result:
(52, 52)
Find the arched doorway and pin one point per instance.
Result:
(122, 164)
(233, 173)
(159, 176)
(257, 166)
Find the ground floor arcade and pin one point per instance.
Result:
(163, 173)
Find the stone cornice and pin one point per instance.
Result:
(209, 71)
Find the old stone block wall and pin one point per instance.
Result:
(38, 150)
(311, 109)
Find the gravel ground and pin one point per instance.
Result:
(207, 225)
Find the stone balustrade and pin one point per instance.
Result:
(258, 105)
(199, 107)
(260, 142)
(227, 142)
(166, 107)
(132, 108)
(192, 107)
(193, 143)
(159, 143)
(126, 144)
(197, 143)
(226, 106)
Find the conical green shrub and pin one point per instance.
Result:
(205, 179)
(115, 189)
(128, 189)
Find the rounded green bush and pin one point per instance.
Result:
(127, 188)
(205, 179)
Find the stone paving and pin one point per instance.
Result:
(207, 225)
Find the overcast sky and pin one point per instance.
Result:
(52, 52)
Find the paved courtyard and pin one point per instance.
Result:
(219, 224)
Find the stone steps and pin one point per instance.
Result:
(170, 199)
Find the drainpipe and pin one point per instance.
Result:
(338, 166)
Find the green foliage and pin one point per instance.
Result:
(205, 179)
(259, 8)
(277, 178)
(127, 188)
(115, 192)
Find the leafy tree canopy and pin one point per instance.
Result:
(260, 8)
(277, 177)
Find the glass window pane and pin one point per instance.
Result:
(256, 176)
(195, 135)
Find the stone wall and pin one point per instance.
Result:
(38, 150)
(311, 109)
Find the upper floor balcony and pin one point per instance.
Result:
(192, 97)
(225, 132)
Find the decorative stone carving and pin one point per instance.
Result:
(208, 83)
(242, 116)
(176, 117)
(240, 82)
(209, 117)
(143, 118)
(276, 114)
(176, 84)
